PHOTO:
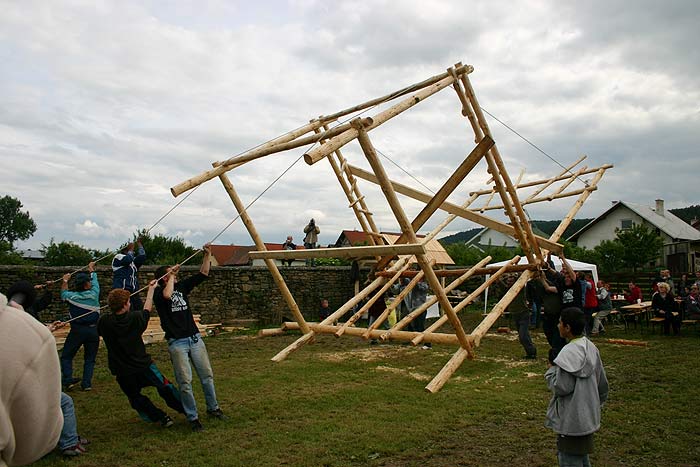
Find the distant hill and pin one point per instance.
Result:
(687, 214)
(460, 237)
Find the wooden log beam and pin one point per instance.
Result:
(377, 296)
(342, 139)
(403, 336)
(397, 300)
(459, 272)
(403, 221)
(271, 266)
(550, 197)
(220, 169)
(447, 371)
(346, 252)
(459, 70)
(261, 151)
(445, 191)
(453, 285)
(551, 180)
(495, 313)
(543, 181)
(454, 209)
(470, 298)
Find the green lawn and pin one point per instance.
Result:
(342, 402)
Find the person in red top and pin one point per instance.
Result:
(635, 293)
(590, 302)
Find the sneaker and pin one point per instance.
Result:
(166, 422)
(71, 384)
(74, 451)
(83, 441)
(86, 388)
(427, 347)
(217, 413)
(196, 425)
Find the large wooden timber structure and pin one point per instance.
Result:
(394, 261)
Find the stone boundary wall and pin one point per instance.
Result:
(229, 294)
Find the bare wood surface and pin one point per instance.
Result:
(445, 191)
(543, 181)
(552, 180)
(342, 139)
(401, 92)
(454, 209)
(403, 336)
(470, 298)
(406, 227)
(447, 371)
(345, 252)
(271, 266)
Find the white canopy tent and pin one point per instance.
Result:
(576, 265)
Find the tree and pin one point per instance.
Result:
(640, 245)
(162, 250)
(66, 254)
(610, 254)
(14, 224)
(8, 255)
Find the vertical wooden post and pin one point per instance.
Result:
(406, 228)
(270, 263)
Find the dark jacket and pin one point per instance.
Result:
(125, 268)
(126, 353)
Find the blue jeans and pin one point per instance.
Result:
(182, 352)
(69, 433)
(536, 309)
(572, 460)
(87, 337)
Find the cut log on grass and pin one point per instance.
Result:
(627, 342)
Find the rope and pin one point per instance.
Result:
(534, 146)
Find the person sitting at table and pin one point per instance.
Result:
(635, 293)
(664, 306)
(604, 307)
(692, 303)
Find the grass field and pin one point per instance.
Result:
(342, 402)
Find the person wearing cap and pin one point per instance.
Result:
(84, 309)
(125, 268)
(185, 344)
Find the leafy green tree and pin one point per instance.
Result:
(8, 255)
(66, 254)
(162, 250)
(462, 254)
(640, 245)
(610, 254)
(14, 224)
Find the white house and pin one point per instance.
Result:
(681, 240)
(489, 237)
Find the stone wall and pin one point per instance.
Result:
(230, 293)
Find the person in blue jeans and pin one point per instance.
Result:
(185, 344)
(83, 304)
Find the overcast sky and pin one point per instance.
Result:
(106, 105)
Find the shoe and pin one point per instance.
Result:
(74, 451)
(166, 422)
(530, 357)
(83, 441)
(72, 383)
(86, 388)
(427, 347)
(373, 342)
(196, 425)
(217, 413)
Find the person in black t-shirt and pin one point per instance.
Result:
(128, 360)
(185, 344)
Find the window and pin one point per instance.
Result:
(626, 224)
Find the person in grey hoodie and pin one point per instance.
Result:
(579, 388)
